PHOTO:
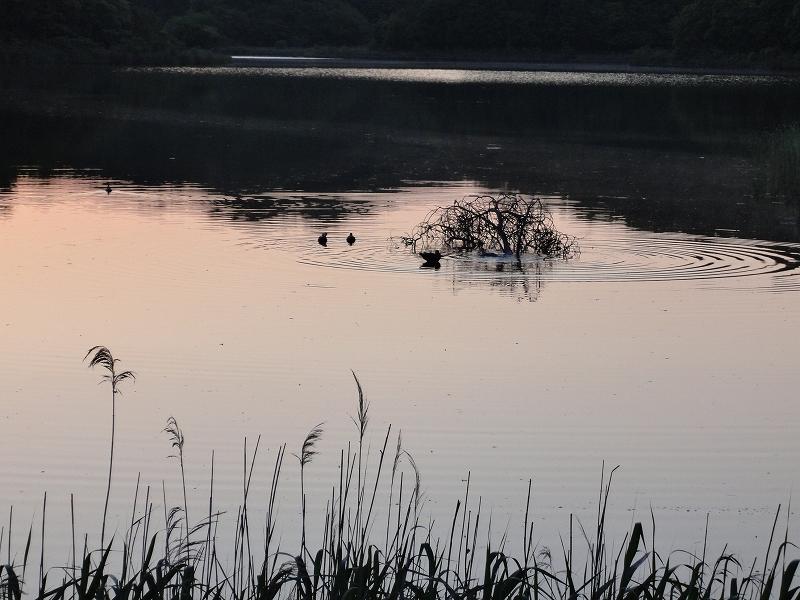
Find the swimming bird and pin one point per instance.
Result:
(431, 258)
(108, 188)
(351, 239)
(323, 239)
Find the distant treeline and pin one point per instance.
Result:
(684, 30)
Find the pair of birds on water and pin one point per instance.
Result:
(323, 239)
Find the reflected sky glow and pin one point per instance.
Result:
(661, 353)
(669, 347)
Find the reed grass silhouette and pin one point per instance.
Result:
(175, 434)
(307, 453)
(410, 563)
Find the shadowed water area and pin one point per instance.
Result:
(668, 346)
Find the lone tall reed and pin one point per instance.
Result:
(102, 357)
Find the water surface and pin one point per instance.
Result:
(668, 347)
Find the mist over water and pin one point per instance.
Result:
(668, 346)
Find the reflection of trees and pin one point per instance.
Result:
(663, 159)
(521, 280)
(783, 163)
(742, 213)
(260, 208)
(7, 178)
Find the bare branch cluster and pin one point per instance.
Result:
(509, 224)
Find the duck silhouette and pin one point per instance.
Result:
(108, 188)
(351, 239)
(431, 258)
(323, 239)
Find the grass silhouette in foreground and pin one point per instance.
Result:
(410, 563)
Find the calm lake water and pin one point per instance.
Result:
(669, 347)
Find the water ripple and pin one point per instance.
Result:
(640, 259)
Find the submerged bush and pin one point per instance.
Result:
(510, 224)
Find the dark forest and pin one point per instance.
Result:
(141, 31)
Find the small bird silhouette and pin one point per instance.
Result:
(323, 239)
(431, 258)
(351, 239)
(108, 188)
